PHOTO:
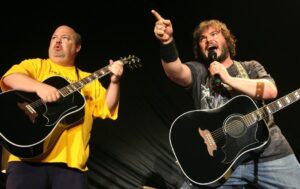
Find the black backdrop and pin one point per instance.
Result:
(134, 150)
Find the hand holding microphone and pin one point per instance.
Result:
(212, 56)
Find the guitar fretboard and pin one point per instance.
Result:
(131, 60)
(65, 91)
(272, 107)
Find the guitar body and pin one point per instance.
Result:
(32, 127)
(209, 144)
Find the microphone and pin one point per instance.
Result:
(212, 56)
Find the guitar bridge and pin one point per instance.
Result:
(29, 111)
(208, 140)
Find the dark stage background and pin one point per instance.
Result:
(134, 150)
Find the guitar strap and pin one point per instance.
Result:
(241, 69)
(242, 72)
(77, 73)
(270, 119)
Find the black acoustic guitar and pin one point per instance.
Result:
(209, 144)
(30, 127)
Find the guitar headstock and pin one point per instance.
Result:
(131, 61)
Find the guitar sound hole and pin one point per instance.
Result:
(235, 127)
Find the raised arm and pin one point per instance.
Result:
(173, 67)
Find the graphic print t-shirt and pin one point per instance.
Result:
(205, 97)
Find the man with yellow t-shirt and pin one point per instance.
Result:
(65, 165)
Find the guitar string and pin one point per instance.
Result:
(221, 132)
(232, 126)
(104, 71)
(257, 115)
(64, 91)
(262, 112)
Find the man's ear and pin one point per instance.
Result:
(78, 48)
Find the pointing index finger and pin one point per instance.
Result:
(157, 15)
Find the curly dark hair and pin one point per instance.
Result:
(220, 26)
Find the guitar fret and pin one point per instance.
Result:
(81, 82)
(279, 104)
(297, 95)
(250, 119)
(273, 107)
(90, 79)
(74, 88)
(102, 72)
(287, 99)
(64, 91)
(244, 118)
(259, 114)
(268, 110)
(293, 97)
(70, 90)
(255, 116)
(77, 85)
(95, 74)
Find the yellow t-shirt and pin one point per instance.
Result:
(72, 147)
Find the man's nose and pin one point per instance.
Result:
(209, 38)
(58, 40)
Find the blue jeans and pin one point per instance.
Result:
(281, 173)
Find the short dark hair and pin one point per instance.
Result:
(78, 38)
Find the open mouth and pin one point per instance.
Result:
(57, 47)
(212, 46)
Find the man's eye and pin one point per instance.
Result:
(215, 33)
(202, 39)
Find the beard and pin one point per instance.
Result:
(224, 54)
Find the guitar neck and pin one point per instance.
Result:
(67, 90)
(283, 101)
(272, 107)
(131, 61)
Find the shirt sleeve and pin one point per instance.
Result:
(27, 67)
(257, 71)
(95, 95)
